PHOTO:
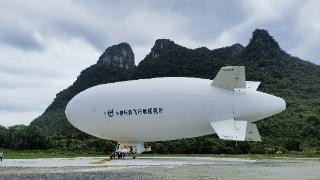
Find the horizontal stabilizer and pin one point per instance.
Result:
(230, 77)
(252, 85)
(252, 133)
(230, 129)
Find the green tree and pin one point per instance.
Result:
(3, 136)
(26, 137)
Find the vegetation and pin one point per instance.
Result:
(22, 137)
(47, 153)
(297, 130)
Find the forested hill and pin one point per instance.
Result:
(296, 80)
(115, 64)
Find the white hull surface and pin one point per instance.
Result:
(170, 108)
(150, 109)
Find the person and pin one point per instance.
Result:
(1, 156)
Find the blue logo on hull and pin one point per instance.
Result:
(133, 112)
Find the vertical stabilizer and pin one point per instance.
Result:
(230, 129)
(230, 77)
(252, 133)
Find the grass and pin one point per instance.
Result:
(52, 153)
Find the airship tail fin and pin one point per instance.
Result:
(252, 133)
(230, 77)
(252, 85)
(230, 129)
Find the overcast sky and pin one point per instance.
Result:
(45, 44)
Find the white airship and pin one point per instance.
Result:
(159, 109)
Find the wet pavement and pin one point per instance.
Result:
(159, 168)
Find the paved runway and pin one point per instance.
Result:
(159, 168)
(100, 161)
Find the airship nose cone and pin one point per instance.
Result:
(76, 113)
(70, 114)
(82, 114)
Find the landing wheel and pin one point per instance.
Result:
(134, 157)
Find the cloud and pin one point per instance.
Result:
(14, 33)
(11, 118)
(21, 39)
(30, 79)
(307, 32)
(45, 44)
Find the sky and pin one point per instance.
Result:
(44, 45)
